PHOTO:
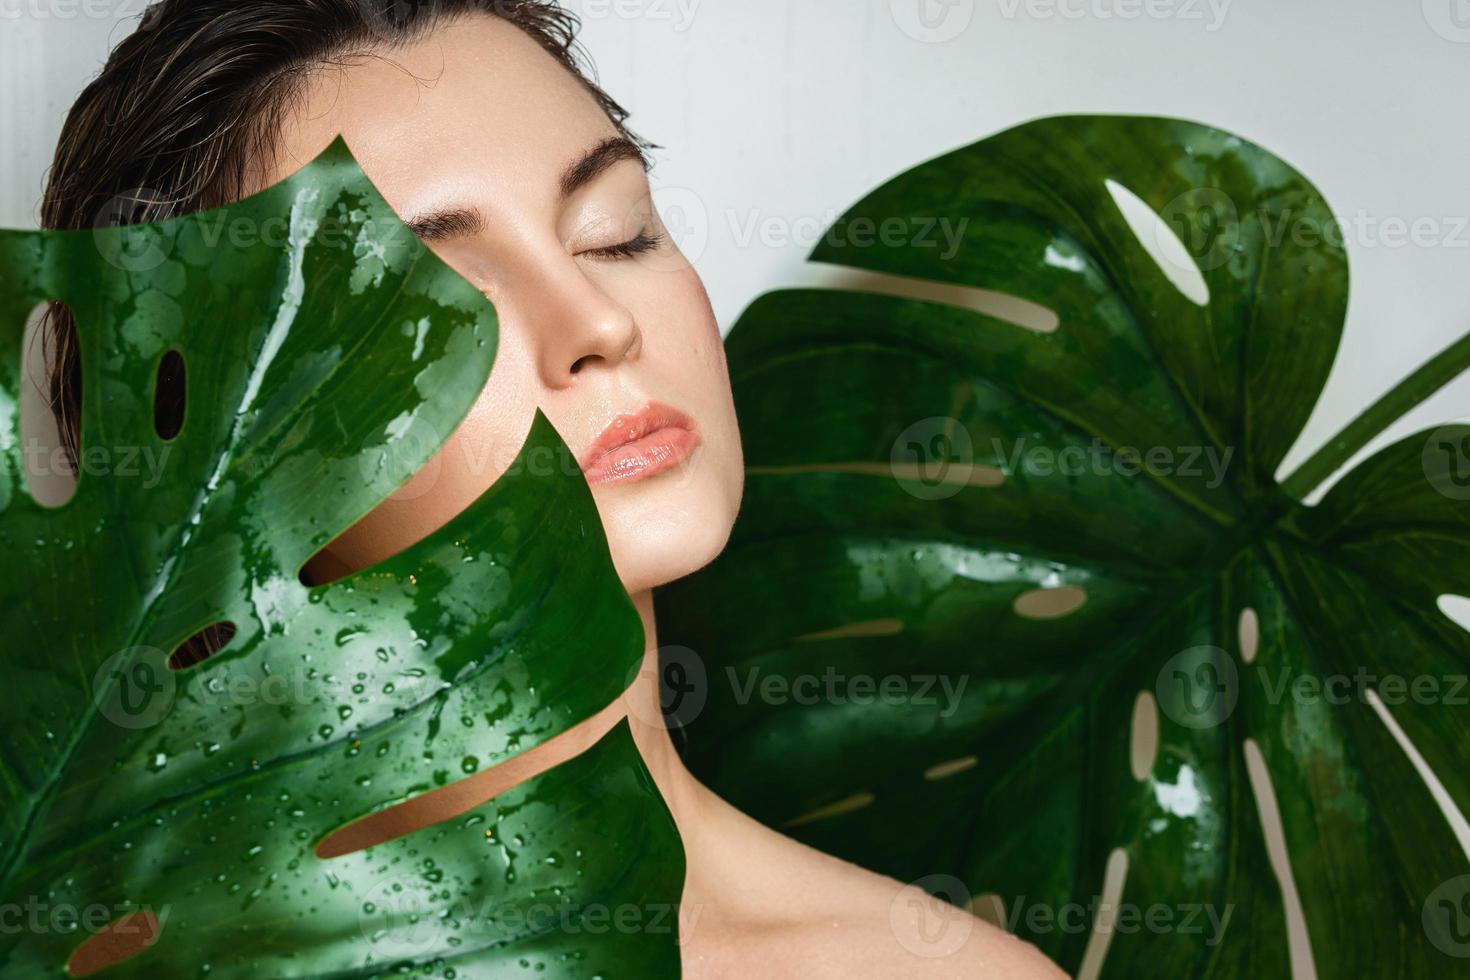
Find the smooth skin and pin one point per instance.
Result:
(473, 134)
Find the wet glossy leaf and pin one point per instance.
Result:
(926, 480)
(328, 355)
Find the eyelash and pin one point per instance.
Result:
(644, 241)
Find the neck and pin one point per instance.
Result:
(682, 793)
(724, 850)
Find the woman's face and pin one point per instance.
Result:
(512, 173)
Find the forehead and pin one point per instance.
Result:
(473, 108)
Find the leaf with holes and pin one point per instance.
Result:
(1009, 542)
(325, 356)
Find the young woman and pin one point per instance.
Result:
(475, 122)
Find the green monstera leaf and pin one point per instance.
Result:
(984, 554)
(326, 357)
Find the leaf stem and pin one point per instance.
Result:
(1433, 375)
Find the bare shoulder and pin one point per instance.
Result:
(919, 936)
(828, 918)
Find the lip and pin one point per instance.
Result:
(635, 447)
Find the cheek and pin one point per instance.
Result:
(704, 373)
(681, 331)
(691, 359)
(695, 298)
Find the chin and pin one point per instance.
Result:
(665, 528)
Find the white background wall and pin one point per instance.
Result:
(780, 114)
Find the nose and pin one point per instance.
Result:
(578, 327)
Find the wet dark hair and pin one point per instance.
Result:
(189, 102)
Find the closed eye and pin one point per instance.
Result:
(644, 241)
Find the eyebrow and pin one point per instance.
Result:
(614, 149)
(457, 222)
